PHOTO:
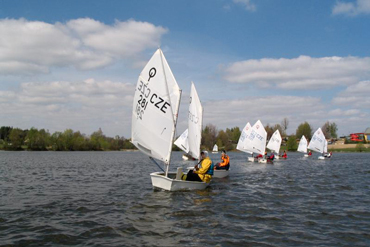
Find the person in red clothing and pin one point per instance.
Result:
(271, 157)
(284, 156)
(225, 164)
(309, 153)
(259, 156)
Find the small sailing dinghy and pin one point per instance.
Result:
(154, 117)
(241, 146)
(215, 149)
(317, 143)
(195, 126)
(256, 141)
(274, 143)
(222, 173)
(302, 146)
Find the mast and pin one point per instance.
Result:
(174, 121)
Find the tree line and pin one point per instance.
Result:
(69, 140)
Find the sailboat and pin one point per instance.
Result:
(220, 173)
(154, 117)
(195, 121)
(256, 141)
(302, 146)
(215, 149)
(195, 130)
(241, 146)
(317, 143)
(275, 143)
(183, 143)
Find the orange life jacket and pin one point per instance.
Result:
(225, 160)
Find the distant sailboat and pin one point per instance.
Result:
(241, 146)
(302, 146)
(154, 117)
(215, 149)
(274, 143)
(183, 143)
(317, 143)
(256, 141)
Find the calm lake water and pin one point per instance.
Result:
(106, 199)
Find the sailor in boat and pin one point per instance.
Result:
(284, 156)
(309, 153)
(271, 157)
(328, 155)
(202, 172)
(225, 164)
(260, 156)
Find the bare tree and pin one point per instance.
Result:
(285, 124)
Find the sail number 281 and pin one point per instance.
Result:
(145, 97)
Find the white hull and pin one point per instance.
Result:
(220, 173)
(306, 155)
(263, 161)
(321, 158)
(184, 157)
(251, 159)
(214, 152)
(277, 157)
(170, 183)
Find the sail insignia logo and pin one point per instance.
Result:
(152, 73)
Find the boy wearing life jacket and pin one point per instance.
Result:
(225, 164)
(284, 155)
(271, 157)
(203, 171)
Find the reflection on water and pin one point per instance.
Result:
(106, 199)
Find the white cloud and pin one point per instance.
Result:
(30, 47)
(247, 4)
(83, 106)
(300, 73)
(340, 112)
(270, 110)
(355, 96)
(351, 8)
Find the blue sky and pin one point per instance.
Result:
(74, 64)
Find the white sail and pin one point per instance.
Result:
(215, 148)
(256, 141)
(243, 138)
(275, 142)
(155, 108)
(182, 141)
(317, 142)
(302, 147)
(195, 118)
(326, 146)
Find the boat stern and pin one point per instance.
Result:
(170, 183)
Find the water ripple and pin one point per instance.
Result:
(106, 199)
